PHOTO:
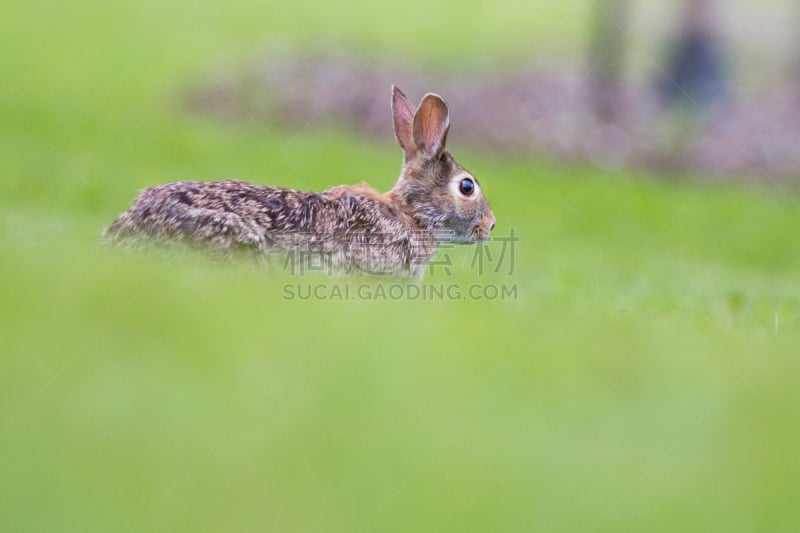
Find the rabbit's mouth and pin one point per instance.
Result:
(483, 231)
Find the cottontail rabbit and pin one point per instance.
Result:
(351, 227)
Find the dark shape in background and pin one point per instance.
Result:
(696, 67)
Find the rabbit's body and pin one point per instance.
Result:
(346, 228)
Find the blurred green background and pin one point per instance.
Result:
(645, 378)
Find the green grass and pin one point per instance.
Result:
(643, 379)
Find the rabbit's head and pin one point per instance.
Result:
(433, 188)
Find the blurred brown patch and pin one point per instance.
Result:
(514, 111)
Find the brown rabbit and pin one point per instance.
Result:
(353, 228)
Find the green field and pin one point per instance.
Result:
(644, 378)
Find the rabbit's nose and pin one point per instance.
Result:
(493, 224)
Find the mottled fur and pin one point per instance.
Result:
(348, 227)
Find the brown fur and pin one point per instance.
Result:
(350, 227)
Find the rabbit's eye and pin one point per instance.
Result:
(467, 187)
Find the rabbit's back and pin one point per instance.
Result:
(223, 214)
(354, 226)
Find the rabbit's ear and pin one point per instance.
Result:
(431, 124)
(403, 117)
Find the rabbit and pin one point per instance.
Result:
(354, 228)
